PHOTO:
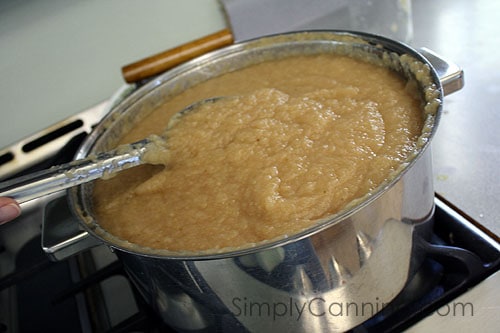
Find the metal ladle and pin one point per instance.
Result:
(106, 164)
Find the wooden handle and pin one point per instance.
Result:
(163, 61)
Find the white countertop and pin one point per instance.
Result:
(466, 149)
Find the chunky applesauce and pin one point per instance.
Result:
(299, 140)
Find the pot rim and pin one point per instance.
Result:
(431, 92)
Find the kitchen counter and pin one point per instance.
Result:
(466, 149)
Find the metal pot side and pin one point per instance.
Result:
(331, 277)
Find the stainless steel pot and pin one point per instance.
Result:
(329, 278)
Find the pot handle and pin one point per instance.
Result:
(62, 236)
(450, 74)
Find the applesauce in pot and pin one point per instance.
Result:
(301, 139)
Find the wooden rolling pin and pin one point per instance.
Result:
(163, 61)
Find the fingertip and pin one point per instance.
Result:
(9, 211)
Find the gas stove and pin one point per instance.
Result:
(90, 292)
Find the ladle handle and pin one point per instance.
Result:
(57, 178)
